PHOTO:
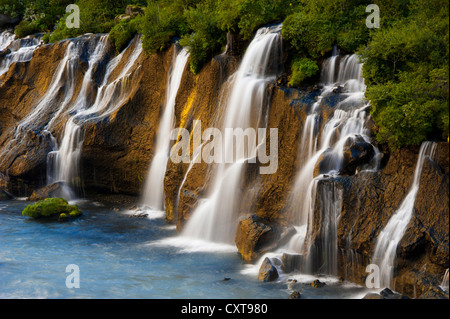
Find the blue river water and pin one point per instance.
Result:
(123, 257)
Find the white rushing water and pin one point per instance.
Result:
(445, 280)
(215, 218)
(64, 160)
(21, 50)
(389, 238)
(326, 142)
(153, 195)
(6, 38)
(105, 86)
(347, 123)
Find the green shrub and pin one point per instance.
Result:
(301, 70)
(25, 28)
(122, 33)
(51, 207)
(207, 39)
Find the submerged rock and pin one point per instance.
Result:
(267, 271)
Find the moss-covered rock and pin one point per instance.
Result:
(52, 207)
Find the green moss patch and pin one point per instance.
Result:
(52, 207)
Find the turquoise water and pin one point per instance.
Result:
(123, 257)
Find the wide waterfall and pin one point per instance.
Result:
(215, 218)
(99, 96)
(64, 161)
(321, 153)
(391, 235)
(153, 195)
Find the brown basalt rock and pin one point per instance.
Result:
(267, 271)
(251, 236)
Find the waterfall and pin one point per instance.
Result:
(63, 162)
(215, 218)
(105, 86)
(444, 284)
(153, 195)
(322, 145)
(20, 50)
(6, 38)
(391, 235)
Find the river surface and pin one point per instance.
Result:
(123, 257)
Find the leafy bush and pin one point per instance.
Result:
(25, 28)
(51, 207)
(123, 32)
(302, 69)
(206, 39)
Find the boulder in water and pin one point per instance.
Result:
(52, 190)
(267, 271)
(318, 284)
(252, 235)
(51, 208)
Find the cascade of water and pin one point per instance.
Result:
(390, 236)
(153, 195)
(214, 219)
(21, 50)
(348, 122)
(63, 162)
(57, 96)
(6, 38)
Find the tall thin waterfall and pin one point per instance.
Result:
(153, 195)
(214, 219)
(63, 162)
(21, 50)
(390, 236)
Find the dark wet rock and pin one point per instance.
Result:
(235, 44)
(317, 284)
(291, 262)
(267, 271)
(4, 52)
(357, 152)
(387, 293)
(4, 195)
(52, 190)
(295, 295)
(325, 163)
(338, 89)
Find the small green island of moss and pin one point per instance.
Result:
(52, 207)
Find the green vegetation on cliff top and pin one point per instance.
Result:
(405, 60)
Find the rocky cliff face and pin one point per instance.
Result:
(117, 151)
